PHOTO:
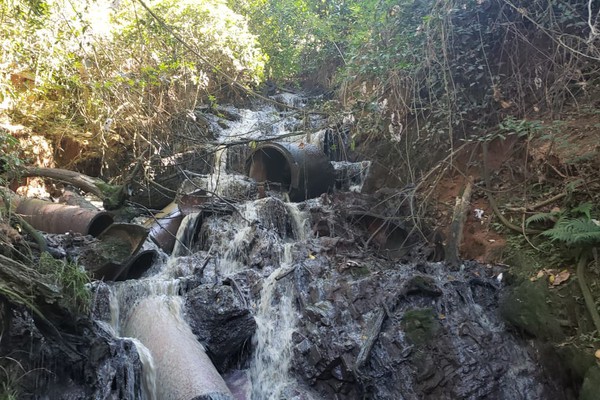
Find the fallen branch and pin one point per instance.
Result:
(458, 222)
(112, 196)
(23, 285)
(365, 350)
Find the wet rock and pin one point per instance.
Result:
(433, 340)
(101, 310)
(221, 320)
(89, 365)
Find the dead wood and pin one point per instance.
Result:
(459, 217)
(367, 346)
(112, 196)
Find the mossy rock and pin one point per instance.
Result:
(576, 360)
(420, 325)
(424, 285)
(360, 272)
(591, 385)
(526, 307)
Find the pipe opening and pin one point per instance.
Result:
(140, 264)
(99, 224)
(271, 165)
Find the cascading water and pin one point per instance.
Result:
(368, 327)
(276, 319)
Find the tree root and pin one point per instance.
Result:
(494, 205)
(585, 290)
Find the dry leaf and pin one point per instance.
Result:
(597, 354)
(561, 277)
(540, 274)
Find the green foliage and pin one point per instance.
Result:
(575, 232)
(291, 32)
(9, 150)
(12, 373)
(551, 216)
(217, 33)
(71, 279)
(112, 78)
(574, 227)
(520, 127)
(528, 260)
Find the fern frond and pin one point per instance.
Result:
(574, 232)
(583, 208)
(543, 217)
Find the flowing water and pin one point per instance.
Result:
(276, 318)
(270, 237)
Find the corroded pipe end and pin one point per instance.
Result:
(302, 169)
(60, 218)
(139, 264)
(99, 223)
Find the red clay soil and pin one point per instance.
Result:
(557, 157)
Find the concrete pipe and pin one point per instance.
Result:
(59, 218)
(183, 370)
(302, 169)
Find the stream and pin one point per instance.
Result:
(314, 299)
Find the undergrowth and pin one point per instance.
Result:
(71, 278)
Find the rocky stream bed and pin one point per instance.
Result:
(336, 297)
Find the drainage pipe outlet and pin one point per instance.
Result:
(302, 169)
(59, 218)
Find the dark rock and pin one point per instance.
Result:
(435, 341)
(591, 383)
(221, 321)
(90, 365)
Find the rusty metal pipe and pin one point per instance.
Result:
(59, 218)
(302, 169)
(163, 227)
(138, 264)
(117, 253)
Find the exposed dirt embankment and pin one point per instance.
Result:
(539, 175)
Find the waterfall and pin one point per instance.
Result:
(259, 259)
(276, 319)
(149, 312)
(148, 369)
